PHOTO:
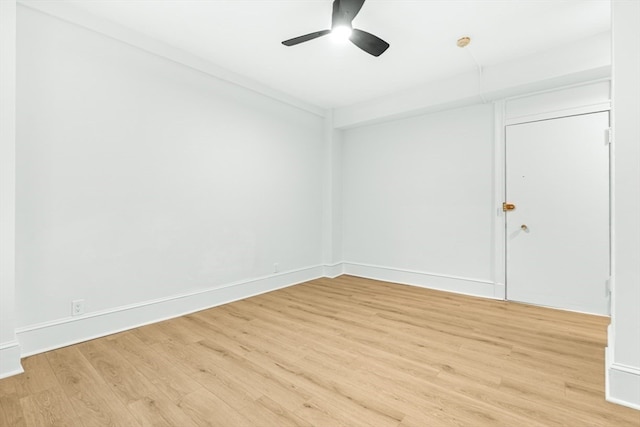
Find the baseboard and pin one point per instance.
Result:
(47, 336)
(499, 291)
(622, 384)
(333, 270)
(442, 282)
(10, 359)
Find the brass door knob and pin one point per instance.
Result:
(524, 227)
(508, 207)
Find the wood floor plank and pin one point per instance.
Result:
(176, 331)
(160, 411)
(149, 334)
(38, 376)
(219, 380)
(148, 414)
(49, 408)
(157, 367)
(123, 378)
(12, 410)
(257, 377)
(91, 397)
(267, 412)
(206, 409)
(318, 415)
(326, 353)
(3, 418)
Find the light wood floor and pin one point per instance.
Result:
(341, 352)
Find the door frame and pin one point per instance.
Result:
(573, 107)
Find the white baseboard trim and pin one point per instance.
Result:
(47, 336)
(622, 383)
(10, 359)
(442, 282)
(333, 270)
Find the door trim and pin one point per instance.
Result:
(499, 265)
(570, 112)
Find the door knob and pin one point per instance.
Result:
(524, 227)
(508, 207)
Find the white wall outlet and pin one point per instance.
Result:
(276, 267)
(77, 307)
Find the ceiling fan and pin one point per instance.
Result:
(344, 11)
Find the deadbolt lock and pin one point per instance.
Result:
(508, 207)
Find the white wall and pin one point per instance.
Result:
(140, 179)
(623, 355)
(332, 199)
(9, 349)
(417, 200)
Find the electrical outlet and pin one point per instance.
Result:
(276, 268)
(77, 307)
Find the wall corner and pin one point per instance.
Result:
(9, 348)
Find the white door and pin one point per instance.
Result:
(557, 176)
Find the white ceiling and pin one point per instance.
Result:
(244, 37)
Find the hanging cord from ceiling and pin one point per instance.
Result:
(464, 43)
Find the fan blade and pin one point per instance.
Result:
(344, 11)
(351, 7)
(368, 42)
(305, 38)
